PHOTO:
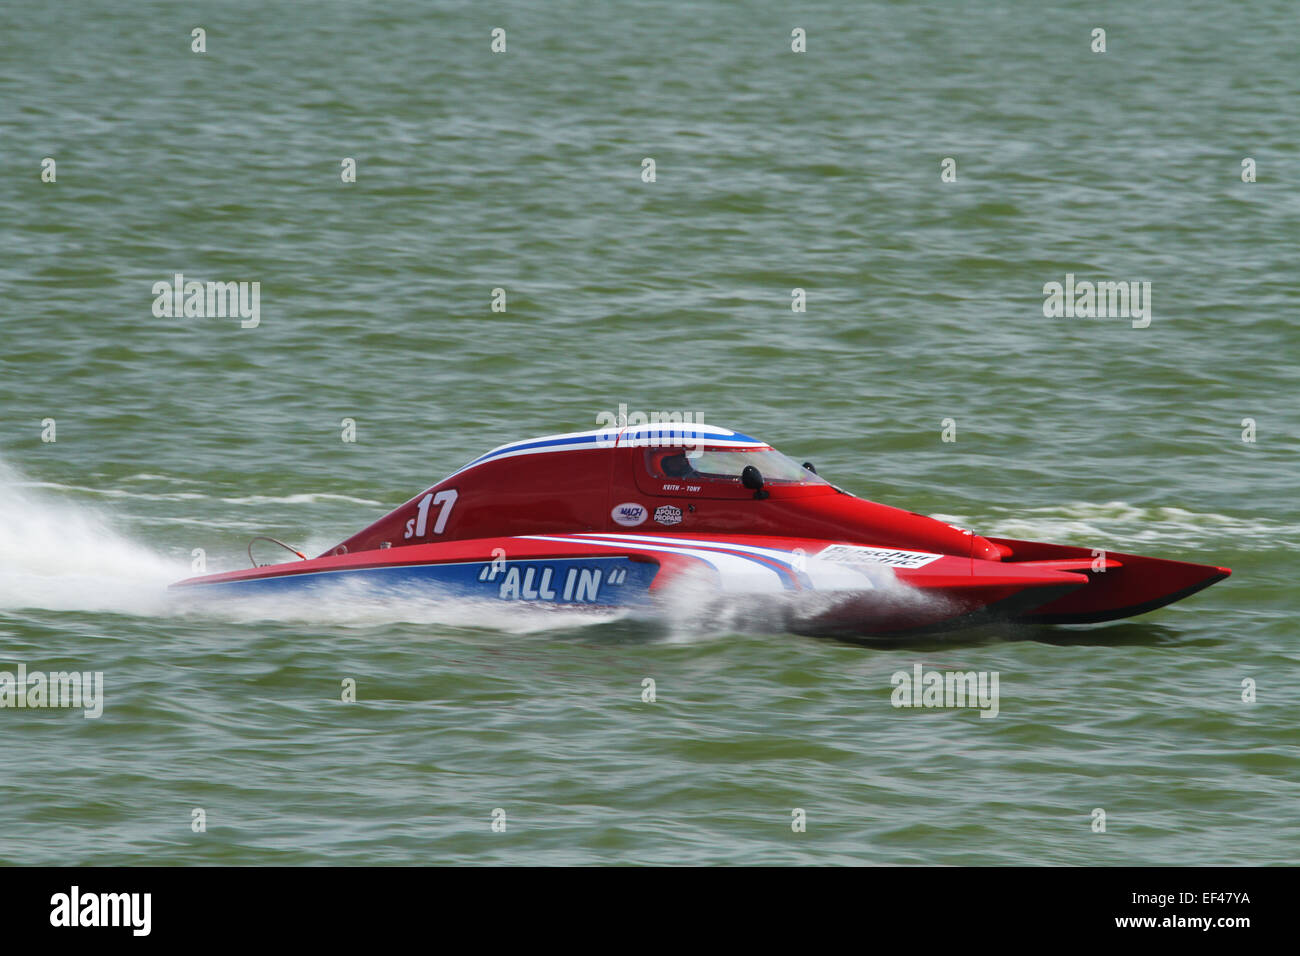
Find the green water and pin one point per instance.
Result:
(522, 171)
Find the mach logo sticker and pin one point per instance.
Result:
(629, 514)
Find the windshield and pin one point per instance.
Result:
(726, 464)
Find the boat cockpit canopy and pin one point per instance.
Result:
(719, 464)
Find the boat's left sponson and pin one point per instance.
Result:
(577, 569)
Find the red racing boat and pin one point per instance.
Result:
(639, 515)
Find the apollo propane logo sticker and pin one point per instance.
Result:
(667, 514)
(629, 514)
(891, 557)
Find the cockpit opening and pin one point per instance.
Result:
(727, 465)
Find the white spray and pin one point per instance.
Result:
(65, 556)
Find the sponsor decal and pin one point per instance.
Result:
(667, 514)
(549, 583)
(890, 557)
(629, 514)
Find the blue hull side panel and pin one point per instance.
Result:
(582, 582)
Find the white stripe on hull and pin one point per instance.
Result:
(736, 572)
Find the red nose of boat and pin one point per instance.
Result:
(1125, 585)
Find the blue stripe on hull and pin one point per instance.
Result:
(583, 582)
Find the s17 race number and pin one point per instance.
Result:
(446, 500)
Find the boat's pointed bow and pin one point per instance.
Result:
(1119, 585)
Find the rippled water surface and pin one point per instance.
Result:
(522, 171)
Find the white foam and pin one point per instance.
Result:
(1111, 523)
(65, 556)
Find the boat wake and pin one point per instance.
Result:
(1088, 522)
(63, 556)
